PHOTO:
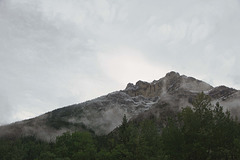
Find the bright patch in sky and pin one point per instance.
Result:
(126, 65)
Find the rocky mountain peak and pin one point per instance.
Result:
(160, 98)
(172, 75)
(173, 82)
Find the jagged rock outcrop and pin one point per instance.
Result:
(170, 84)
(161, 98)
(222, 92)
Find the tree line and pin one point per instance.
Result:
(201, 132)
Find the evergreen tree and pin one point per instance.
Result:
(124, 132)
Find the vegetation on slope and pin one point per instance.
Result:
(201, 132)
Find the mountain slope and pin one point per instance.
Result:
(160, 98)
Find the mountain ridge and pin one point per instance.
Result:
(160, 98)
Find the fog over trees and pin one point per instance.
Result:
(203, 131)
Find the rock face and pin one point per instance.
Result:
(160, 98)
(171, 84)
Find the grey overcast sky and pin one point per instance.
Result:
(55, 53)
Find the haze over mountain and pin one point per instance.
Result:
(161, 98)
(59, 52)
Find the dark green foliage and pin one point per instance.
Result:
(57, 124)
(78, 145)
(201, 132)
(124, 131)
(137, 141)
(47, 156)
(173, 141)
(24, 148)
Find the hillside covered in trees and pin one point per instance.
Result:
(200, 132)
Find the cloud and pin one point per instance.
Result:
(128, 65)
(59, 52)
(39, 60)
(5, 110)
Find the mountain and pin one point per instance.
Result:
(161, 98)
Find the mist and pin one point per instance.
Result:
(56, 53)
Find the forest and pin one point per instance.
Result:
(201, 132)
